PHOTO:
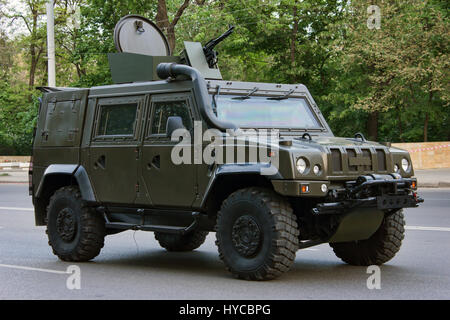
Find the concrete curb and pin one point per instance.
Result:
(13, 182)
(14, 176)
(434, 184)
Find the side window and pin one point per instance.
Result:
(117, 119)
(162, 110)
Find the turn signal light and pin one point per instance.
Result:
(414, 184)
(304, 188)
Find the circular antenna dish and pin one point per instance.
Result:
(136, 34)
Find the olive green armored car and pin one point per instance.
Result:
(182, 153)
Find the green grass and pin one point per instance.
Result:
(4, 174)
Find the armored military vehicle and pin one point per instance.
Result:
(107, 159)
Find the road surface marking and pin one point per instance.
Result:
(426, 228)
(31, 269)
(18, 209)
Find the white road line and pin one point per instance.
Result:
(18, 209)
(31, 269)
(426, 228)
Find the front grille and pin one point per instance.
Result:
(351, 153)
(336, 161)
(366, 154)
(358, 160)
(381, 158)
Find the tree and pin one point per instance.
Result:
(162, 20)
(397, 66)
(390, 83)
(35, 40)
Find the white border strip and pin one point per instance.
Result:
(427, 228)
(17, 209)
(31, 269)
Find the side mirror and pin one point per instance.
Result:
(173, 123)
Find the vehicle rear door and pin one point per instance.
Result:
(114, 148)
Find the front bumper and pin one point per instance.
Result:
(383, 192)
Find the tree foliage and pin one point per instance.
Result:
(391, 82)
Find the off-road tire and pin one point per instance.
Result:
(180, 243)
(257, 234)
(379, 248)
(80, 239)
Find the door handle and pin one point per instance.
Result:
(100, 163)
(156, 162)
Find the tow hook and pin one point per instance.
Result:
(417, 198)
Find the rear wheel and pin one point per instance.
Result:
(75, 231)
(257, 234)
(176, 242)
(381, 247)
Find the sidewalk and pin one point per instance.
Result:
(433, 178)
(430, 178)
(14, 176)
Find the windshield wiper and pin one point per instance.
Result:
(282, 97)
(247, 96)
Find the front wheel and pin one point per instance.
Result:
(257, 234)
(75, 231)
(381, 247)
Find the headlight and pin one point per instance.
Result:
(302, 165)
(396, 168)
(405, 165)
(316, 169)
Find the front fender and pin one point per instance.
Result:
(237, 169)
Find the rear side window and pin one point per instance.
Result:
(165, 109)
(117, 119)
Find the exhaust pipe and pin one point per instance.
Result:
(172, 70)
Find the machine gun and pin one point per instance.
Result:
(208, 49)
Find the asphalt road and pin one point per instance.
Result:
(133, 266)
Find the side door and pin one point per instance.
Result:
(167, 184)
(114, 148)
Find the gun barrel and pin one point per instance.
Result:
(208, 49)
(214, 42)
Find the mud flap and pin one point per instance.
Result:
(359, 224)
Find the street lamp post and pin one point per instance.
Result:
(51, 44)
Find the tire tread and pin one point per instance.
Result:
(285, 242)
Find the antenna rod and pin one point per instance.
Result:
(51, 44)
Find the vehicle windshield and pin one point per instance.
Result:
(259, 112)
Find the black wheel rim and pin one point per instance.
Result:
(246, 236)
(66, 224)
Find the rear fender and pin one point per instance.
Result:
(76, 172)
(57, 176)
